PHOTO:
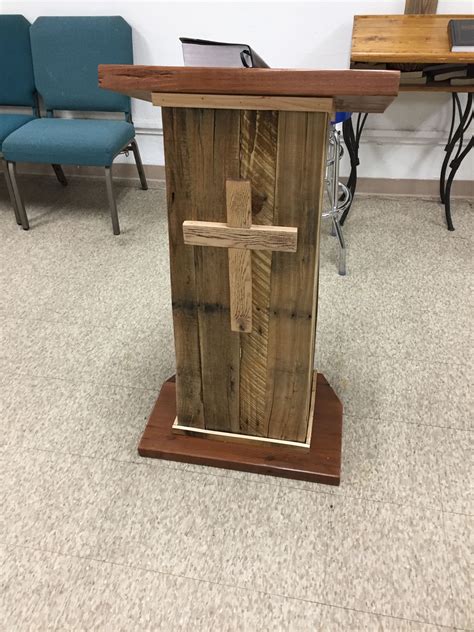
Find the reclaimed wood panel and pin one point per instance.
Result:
(258, 151)
(216, 160)
(302, 140)
(201, 152)
(179, 124)
(418, 39)
(269, 369)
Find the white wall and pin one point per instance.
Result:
(404, 142)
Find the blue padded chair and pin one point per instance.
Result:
(17, 87)
(66, 53)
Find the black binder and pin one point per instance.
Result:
(198, 52)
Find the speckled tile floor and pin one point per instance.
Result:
(92, 537)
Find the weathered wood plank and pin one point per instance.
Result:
(239, 214)
(179, 124)
(216, 160)
(220, 235)
(258, 150)
(298, 200)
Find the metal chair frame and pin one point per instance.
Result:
(19, 206)
(11, 194)
(339, 194)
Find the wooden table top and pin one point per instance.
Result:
(420, 39)
(352, 90)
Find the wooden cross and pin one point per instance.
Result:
(240, 237)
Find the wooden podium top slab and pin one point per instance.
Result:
(420, 39)
(352, 90)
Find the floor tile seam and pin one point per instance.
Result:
(387, 420)
(446, 547)
(380, 419)
(226, 585)
(278, 484)
(60, 320)
(458, 513)
(353, 415)
(20, 373)
(93, 325)
(437, 363)
(391, 349)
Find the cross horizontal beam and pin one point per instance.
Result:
(256, 237)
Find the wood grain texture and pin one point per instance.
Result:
(207, 351)
(180, 189)
(405, 39)
(348, 84)
(243, 102)
(239, 215)
(298, 202)
(421, 6)
(220, 235)
(320, 464)
(217, 160)
(258, 153)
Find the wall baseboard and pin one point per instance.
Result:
(126, 174)
(410, 187)
(123, 173)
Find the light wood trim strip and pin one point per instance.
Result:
(243, 102)
(220, 235)
(178, 428)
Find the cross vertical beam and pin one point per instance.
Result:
(239, 215)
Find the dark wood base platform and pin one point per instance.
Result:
(320, 463)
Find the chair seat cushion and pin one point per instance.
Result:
(10, 122)
(68, 141)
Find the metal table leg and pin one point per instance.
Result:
(455, 143)
(352, 142)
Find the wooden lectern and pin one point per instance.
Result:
(245, 154)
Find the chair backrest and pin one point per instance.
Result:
(17, 86)
(66, 53)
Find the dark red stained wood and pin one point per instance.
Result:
(349, 84)
(321, 463)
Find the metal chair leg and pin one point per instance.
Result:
(342, 246)
(10, 191)
(138, 162)
(112, 203)
(16, 192)
(58, 170)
